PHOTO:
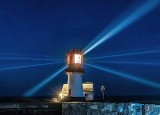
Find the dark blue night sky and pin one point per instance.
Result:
(46, 29)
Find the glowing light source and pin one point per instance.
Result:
(127, 54)
(137, 14)
(61, 95)
(125, 75)
(26, 66)
(32, 91)
(74, 57)
(125, 62)
(77, 58)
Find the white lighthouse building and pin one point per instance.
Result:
(75, 89)
(74, 72)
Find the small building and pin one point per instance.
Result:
(88, 91)
(64, 91)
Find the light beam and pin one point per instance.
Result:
(127, 54)
(13, 58)
(26, 66)
(25, 55)
(32, 91)
(125, 75)
(134, 16)
(125, 62)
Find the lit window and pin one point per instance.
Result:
(77, 58)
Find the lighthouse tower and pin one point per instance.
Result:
(74, 72)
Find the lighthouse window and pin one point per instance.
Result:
(77, 58)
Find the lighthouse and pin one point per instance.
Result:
(74, 89)
(74, 72)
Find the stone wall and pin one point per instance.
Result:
(78, 108)
(97, 108)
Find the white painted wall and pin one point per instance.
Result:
(75, 84)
